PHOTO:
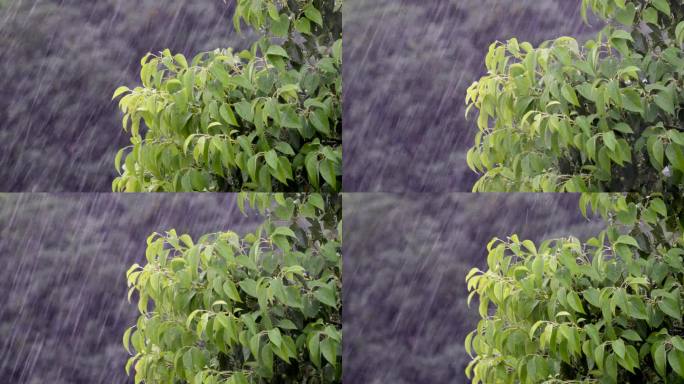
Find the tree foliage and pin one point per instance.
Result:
(264, 119)
(264, 307)
(604, 311)
(600, 116)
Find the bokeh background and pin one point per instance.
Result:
(407, 65)
(62, 280)
(62, 60)
(405, 260)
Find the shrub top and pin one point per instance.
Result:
(264, 307)
(606, 310)
(600, 116)
(264, 119)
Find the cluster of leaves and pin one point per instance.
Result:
(261, 308)
(602, 116)
(264, 119)
(603, 311)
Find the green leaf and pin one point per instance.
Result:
(272, 159)
(311, 163)
(220, 73)
(314, 15)
(676, 360)
(657, 152)
(319, 119)
(670, 306)
(630, 335)
(222, 320)
(569, 94)
(273, 11)
(679, 33)
(238, 378)
(665, 101)
(249, 286)
(658, 353)
(281, 26)
(599, 353)
(627, 240)
(622, 127)
(326, 296)
(337, 49)
(275, 337)
(659, 206)
(284, 148)
(303, 26)
(609, 140)
(619, 348)
(284, 231)
(621, 35)
(231, 291)
(314, 349)
(117, 160)
(317, 201)
(120, 91)
(678, 343)
(662, 5)
(632, 100)
(329, 350)
(227, 114)
(284, 169)
(174, 85)
(591, 147)
(575, 302)
(675, 156)
(127, 339)
(650, 16)
(626, 15)
(267, 359)
(328, 173)
(277, 50)
(286, 324)
(187, 240)
(244, 110)
(534, 328)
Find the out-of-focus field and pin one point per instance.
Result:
(407, 65)
(405, 260)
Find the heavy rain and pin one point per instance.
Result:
(405, 262)
(63, 279)
(408, 64)
(62, 60)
